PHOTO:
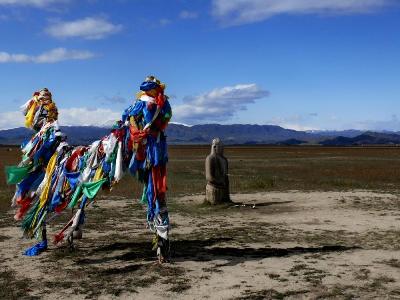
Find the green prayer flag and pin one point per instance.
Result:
(28, 219)
(75, 197)
(143, 200)
(90, 189)
(16, 174)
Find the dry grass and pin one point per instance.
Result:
(262, 168)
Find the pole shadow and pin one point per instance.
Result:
(262, 204)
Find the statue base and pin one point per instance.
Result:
(217, 195)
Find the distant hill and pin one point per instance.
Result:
(335, 133)
(230, 134)
(367, 138)
(14, 136)
(291, 142)
(81, 135)
(181, 134)
(235, 134)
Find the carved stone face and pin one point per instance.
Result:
(217, 147)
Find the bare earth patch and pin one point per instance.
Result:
(275, 245)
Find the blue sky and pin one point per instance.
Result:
(301, 64)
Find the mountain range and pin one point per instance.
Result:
(229, 134)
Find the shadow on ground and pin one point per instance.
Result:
(199, 250)
(250, 203)
(260, 204)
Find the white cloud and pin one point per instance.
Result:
(11, 119)
(51, 56)
(185, 14)
(219, 104)
(67, 117)
(60, 54)
(88, 28)
(164, 22)
(86, 116)
(16, 58)
(238, 12)
(310, 122)
(37, 3)
(116, 99)
(297, 127)
(392, 124)
(296, 122)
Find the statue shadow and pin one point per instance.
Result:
(198, 250)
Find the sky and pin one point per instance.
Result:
(299, 64)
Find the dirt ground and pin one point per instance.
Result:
(275, 245)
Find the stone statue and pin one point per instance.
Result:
(217, 189)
